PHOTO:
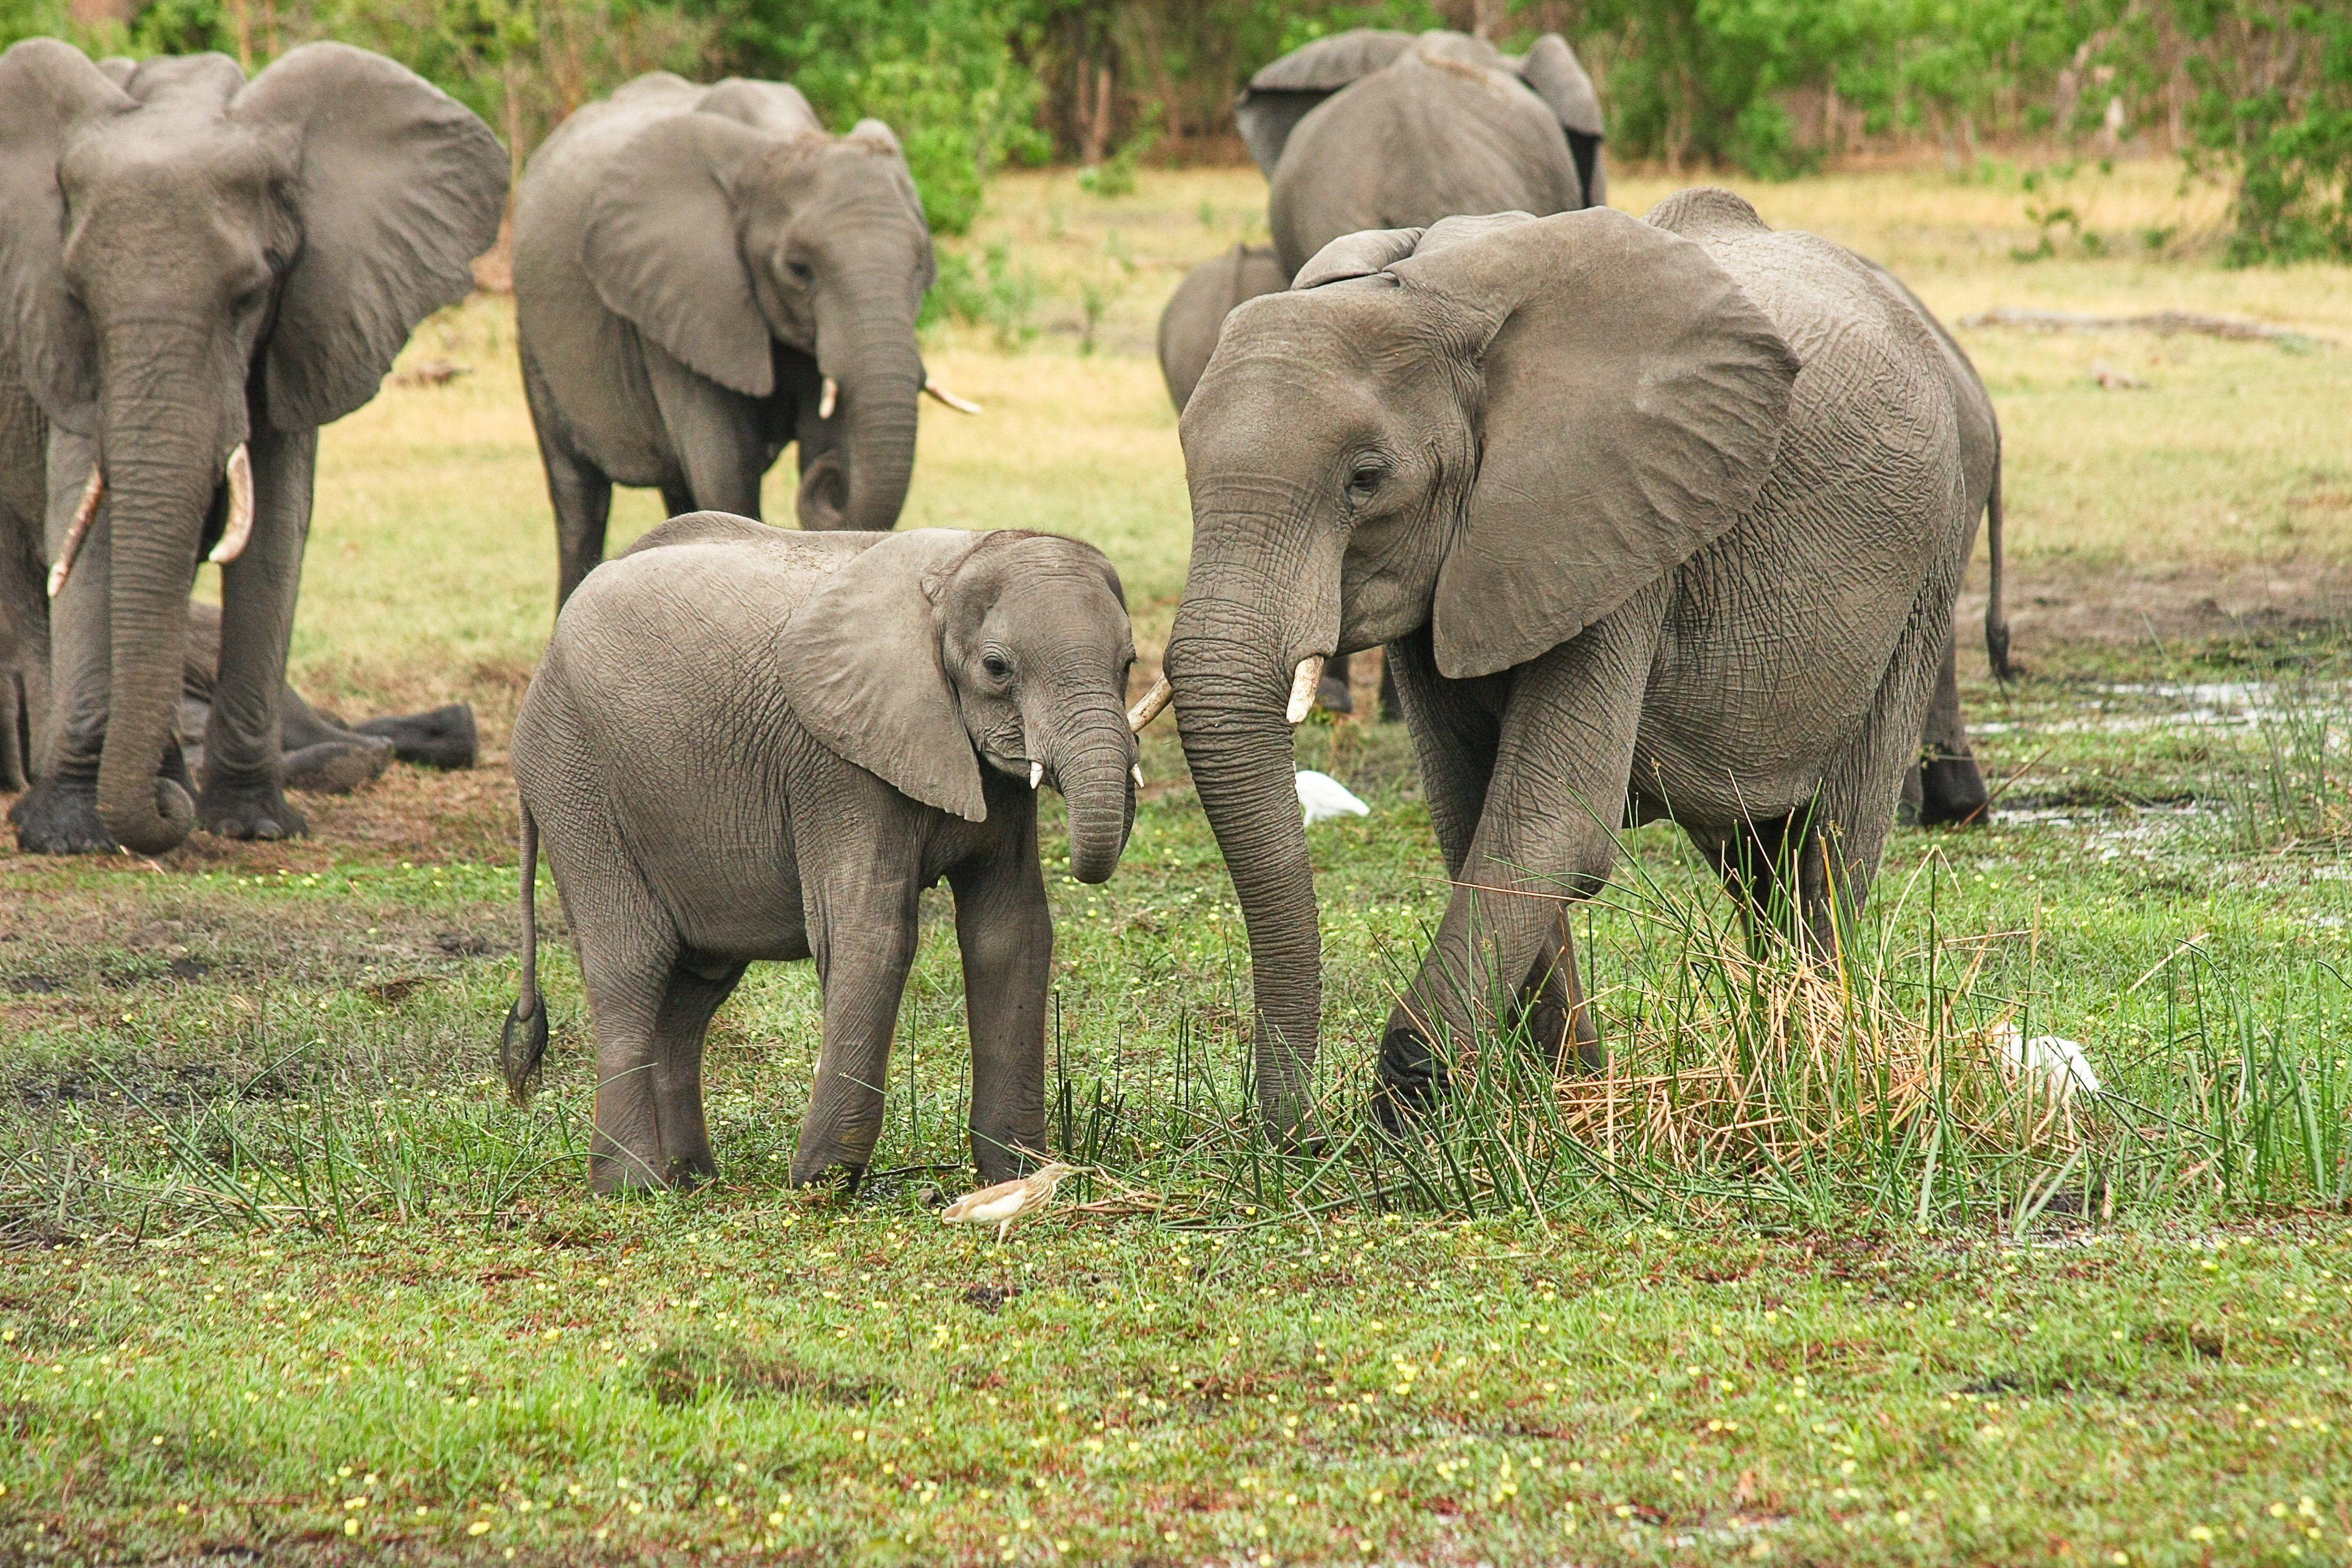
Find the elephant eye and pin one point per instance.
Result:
(994, 664)
(800, 273)
(1366, 479)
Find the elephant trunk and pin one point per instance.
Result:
(1232, 690)
(872, 355)
(163, 467)
(1091, 761)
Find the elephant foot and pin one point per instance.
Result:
(445, 737)
(826, 1165)
(59, 817)
(1411, 1079)
(616, 1173)
(1951, 792)
(337, 767)
(241, 809)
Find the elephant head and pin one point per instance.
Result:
(740, 225)
(186, 257)
(937, 650)
(1492, 432)
(1283, 93)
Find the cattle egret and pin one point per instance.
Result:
(1002, 1204)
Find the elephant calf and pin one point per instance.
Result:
(745, 743)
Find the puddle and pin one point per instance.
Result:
(2126, 709)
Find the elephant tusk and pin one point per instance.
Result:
(84, 515)
(233, 537)
(1137, 771)
(825, 403)
(1302, 688)
(1036, 775)
(1150, 705)
(961, 404)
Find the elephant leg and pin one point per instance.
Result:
(1951, 786)
(1546, 837)
(1454, 733)
(678, 499)
(1333, 693)
(322, 756)
(1854, 807)
(715, 434)
(1773, 871)
(1005, 931)
(580, 492)
(681, 1024)
(15, 747)
(58, 815)
(244, 784)
(865, 946)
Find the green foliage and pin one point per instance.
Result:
(2274, 105)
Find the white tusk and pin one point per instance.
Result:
(1302, 688)
(832, 396)
(1036, 775)
(1137, 772)
(239, 530)
(1150, 705)
(961, 404)
(84, 515)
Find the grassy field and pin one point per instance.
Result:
(1809, 1277)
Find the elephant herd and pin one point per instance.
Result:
(1654, 518)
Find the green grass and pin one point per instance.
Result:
(1811, 1277)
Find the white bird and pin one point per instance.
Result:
(2062, 1060)
(1005, 1202)
(1324, 797)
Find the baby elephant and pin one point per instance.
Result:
(748, 742)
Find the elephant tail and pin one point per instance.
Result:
(524, 1044)
(1995, 615)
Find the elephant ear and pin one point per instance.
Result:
(46, 88)
(1635, 398)
(397, 186)
(1367, 253)
(860, 666)
(1282, 94)
(1554, 74)
(662, 250)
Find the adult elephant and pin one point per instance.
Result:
(196, 272)
(1945, 787)
(1197, 310)
(1662, 514)
(1373, 129)
(704, 277)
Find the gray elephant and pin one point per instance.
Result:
(1667, 513)
(702, 277)
(196, 272)
(1374, 130)
(748, 742)
(1945, 786)
(319, 753)
(1194, 314)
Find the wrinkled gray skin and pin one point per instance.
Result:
(189, 261)
(1374, 129)
(752, 744)
(1667, 513)
(1189, 325)
(689, 262)
(1945, 787)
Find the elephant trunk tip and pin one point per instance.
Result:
(156, 831)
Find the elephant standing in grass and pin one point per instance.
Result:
(196, 272)
(704, 277)
(1373, 129)
(1662, 515)
(748, 743)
